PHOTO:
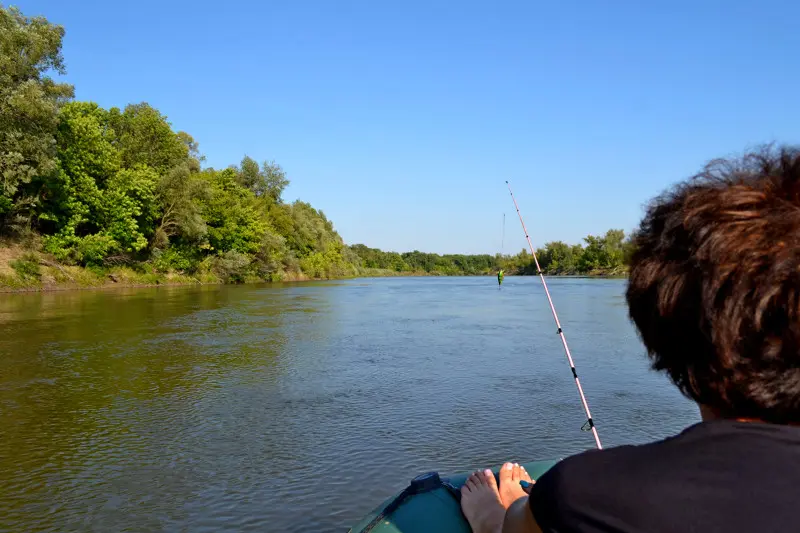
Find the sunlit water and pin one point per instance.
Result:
(282, 408)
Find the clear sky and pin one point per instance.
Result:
(401, 120)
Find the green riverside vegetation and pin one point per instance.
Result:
(599, 255)
(94, 196)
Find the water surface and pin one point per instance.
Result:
(281, 408)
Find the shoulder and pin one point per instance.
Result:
(604, 464)
(637, 488)
(635, 460)
(577, 477)
(703, 445)
(611, 480)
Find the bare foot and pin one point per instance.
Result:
(481, 503)
(510, 490)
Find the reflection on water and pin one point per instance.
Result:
(299, 406)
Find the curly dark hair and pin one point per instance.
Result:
(714, 285)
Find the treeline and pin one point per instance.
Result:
(103, 187)
(419, 262)
(606, 255)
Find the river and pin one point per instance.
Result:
(300, 407)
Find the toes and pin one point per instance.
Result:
(488, 478)
(505, 472)
(515, 472)
(468, 486)
(524, 476)
(477, 480)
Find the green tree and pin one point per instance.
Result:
(127, 208)
(559, 258)
(268, 181)
(593, 257)
(310, 231)
(193, 150)
(233, 219)
(275, 181)
(272, 256)
(248, 173)
(614, 246)
(603, 253)
(87, 160)
(180, 193)
(96, 207)
(145, 137)
(30, 48)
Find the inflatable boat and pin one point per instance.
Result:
(430, 504)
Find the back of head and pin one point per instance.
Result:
(714, 285)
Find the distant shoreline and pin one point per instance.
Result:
(32, 286)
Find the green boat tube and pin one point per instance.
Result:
(429, 504)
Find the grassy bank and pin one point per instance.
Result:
(25, 269)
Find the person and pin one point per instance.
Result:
(714, 291)
(500, 275)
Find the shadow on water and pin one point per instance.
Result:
(226, 408)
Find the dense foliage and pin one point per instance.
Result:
(605, 254)
(29, 102)
(115, 186)
(102, 187)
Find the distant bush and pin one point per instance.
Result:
(231, 267)
(176, 259)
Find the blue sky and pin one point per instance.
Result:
(401, 120)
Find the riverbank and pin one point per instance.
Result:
(23, 270)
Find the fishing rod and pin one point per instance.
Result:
(589, 425)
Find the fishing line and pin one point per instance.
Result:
(503, 238)
(589, 425)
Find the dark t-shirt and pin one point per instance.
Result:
(721, 476)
